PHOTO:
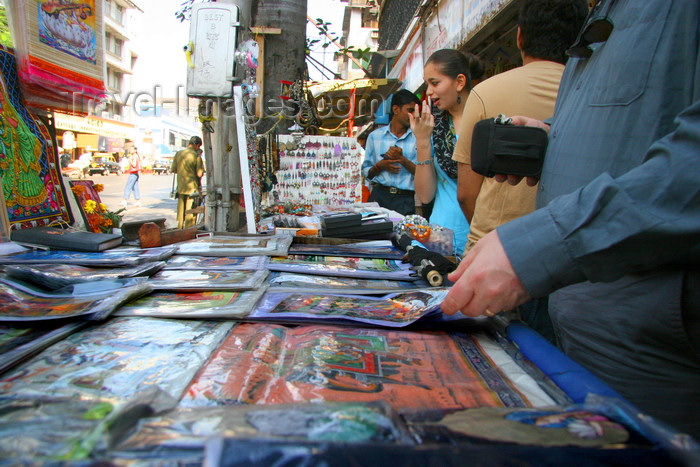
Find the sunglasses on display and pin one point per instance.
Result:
(598, 28)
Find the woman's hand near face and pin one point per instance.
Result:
(422, 123)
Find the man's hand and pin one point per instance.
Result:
(485, 281)
(389, 165)
(394, 153)
(515, 179)
(527, 121)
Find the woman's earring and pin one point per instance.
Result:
(459, 98)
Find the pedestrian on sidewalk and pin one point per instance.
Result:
(132, 183)
(189, 168)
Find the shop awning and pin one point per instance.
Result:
(94, 125)
(342, 101)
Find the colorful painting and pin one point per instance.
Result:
(217, 263)
(118, 361)
(219, 304)
(344, 266)
(28, 163)
(184, 280)
(392, 310)
(70, 27)
(289, 282)
(20, 303)
(274, 364)
(235, 246)
(357, 250)
(116, 257)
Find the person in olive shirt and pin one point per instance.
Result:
(189, 168)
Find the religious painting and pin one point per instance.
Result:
(31, 182)
(273, 364)
(69, 26)
(394, 310)
(211, 304)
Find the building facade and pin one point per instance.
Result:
(360, 33)
(411, 31)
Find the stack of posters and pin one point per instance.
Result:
(55, 276)
(197, 280)
(236, 246)
(379, 249)
(217, 263)
(208, 304)
(119, 360)
(119, 257)
(21, 302)
(291, 282)
(341, 266)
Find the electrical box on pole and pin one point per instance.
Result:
(211, 50)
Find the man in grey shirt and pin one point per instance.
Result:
(616, 241)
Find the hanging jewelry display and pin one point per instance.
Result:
(321, 170)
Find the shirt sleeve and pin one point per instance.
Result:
(370, 155)
(200, 165)
(474, 111)
(646, 218)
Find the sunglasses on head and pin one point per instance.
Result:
(597, 29)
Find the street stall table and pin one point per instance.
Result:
(236, 388)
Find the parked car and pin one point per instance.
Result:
(104, 165)
(161, 166)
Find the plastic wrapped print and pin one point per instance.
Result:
(273, 364)
(24, 302)
(184, 429)
(118, 361)
(393, 310)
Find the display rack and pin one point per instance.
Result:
(318, 170)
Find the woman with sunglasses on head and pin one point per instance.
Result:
(448, 74)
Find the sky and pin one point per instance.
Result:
(160, 38)
(159, 41)
(331, 11)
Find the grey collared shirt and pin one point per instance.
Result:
(619, 187)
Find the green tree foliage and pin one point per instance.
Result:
(5, 36)
(326, 37)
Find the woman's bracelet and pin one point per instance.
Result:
(425, 162)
